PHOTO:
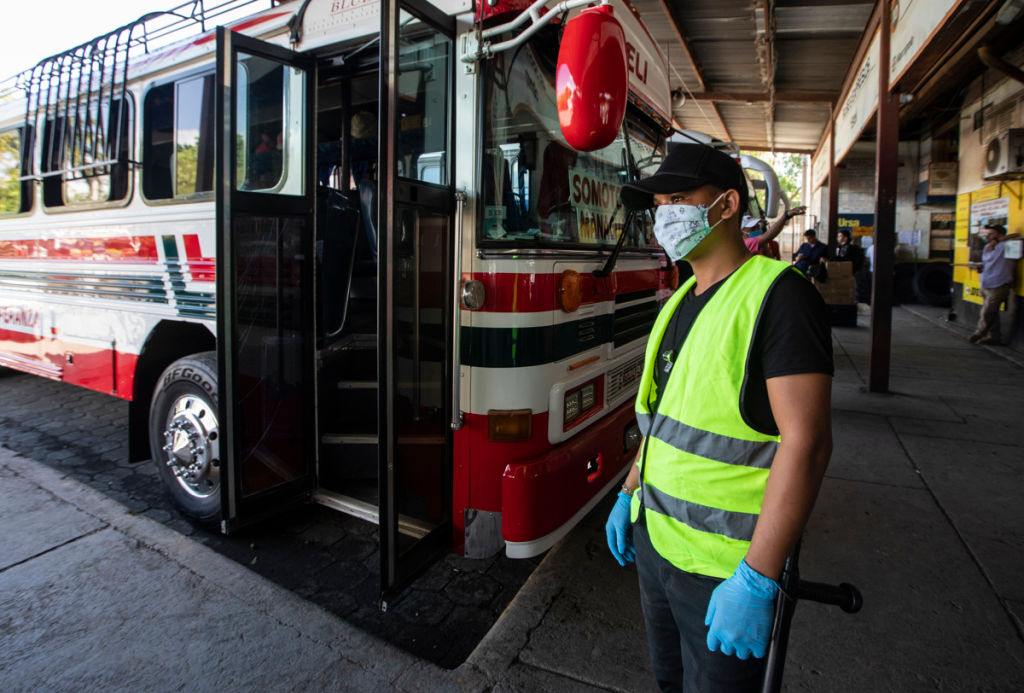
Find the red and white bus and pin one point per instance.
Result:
(341, 251)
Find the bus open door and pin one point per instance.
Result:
(265, 225)
(417, 356)
(284, 398)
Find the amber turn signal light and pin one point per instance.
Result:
(570, 291)
(509, 426)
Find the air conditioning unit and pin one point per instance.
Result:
(1004, 154)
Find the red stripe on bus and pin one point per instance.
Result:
(95, 368)
(508, 292)
(111, 249)
(203, 269)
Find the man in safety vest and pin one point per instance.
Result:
(734, 404)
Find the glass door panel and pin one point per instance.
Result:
(415, 248)
(265, 211)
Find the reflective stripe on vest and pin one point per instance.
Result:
(705, 468)
(734, 525)
(713, 446)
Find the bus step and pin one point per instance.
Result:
(370, 512)
(357, 384)
(367, 340)
(349, 439)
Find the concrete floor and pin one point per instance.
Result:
(921, 509)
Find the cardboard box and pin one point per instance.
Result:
(838, 284)
(839, 268)
(836, 281)
(838, 290)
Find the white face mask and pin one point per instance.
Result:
(680, 228)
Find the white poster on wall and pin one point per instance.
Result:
(860, 103)
(995, 211)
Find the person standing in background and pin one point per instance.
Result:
(996, 282)
(848, 251)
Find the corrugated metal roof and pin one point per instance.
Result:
(718, 53)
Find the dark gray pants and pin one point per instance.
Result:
(675, 603)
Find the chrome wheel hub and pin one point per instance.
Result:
(192, 446)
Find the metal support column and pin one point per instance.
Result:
(833, 185)
(886, 163)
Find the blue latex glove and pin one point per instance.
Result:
(740, 613)
(620, 531)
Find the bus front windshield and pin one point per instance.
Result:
(539, 192)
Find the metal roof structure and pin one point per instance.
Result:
(762, 84)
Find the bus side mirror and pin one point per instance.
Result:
(590, 80)
(772, 188)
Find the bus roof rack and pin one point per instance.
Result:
(81, 90)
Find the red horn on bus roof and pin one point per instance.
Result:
(590, 83)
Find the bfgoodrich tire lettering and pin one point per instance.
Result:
(184, 435)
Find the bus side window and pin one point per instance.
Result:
(178, 139)
(86, 151)
(158, 142)
(15, 195)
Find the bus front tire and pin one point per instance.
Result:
(184, 435)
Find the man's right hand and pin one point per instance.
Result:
(619, 530)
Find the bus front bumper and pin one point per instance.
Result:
(542, 499)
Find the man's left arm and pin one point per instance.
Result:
(740, 612)
(801, 405)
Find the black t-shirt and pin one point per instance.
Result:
(792, 336)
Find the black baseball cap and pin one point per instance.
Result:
(688, 166)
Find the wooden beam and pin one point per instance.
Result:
(768, 72)
(763, 148)
(823, 97)
(693, 63)
(937, 80)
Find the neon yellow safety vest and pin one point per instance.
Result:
(704, 468)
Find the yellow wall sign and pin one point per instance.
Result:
(995, 204)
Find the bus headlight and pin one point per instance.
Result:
(473, 294)
(572, 406)
(581, 401)
(587, 396)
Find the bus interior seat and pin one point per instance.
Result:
(368, 203)
(336, 251)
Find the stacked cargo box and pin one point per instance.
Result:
(838, 290)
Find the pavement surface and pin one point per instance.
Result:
(325, 556)
(921, 509)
